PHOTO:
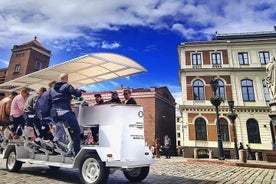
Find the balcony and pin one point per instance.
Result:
(197, 66)
(217, 66)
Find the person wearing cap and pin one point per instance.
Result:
(128, 98)
(98, 99)
(114, 98)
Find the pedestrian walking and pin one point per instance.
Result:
(241, 146)
(167, 146)
(249, 152)
(273, 145)
(157, 145)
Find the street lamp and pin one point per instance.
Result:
(216, 101)
(232, 116)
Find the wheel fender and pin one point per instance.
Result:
(81, 155)
(8, 150)
(100, 151)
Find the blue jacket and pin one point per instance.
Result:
(61, 95)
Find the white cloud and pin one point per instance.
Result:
(4, 63)
(113, 45)
(68, 20)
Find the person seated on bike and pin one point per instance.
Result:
(30, 108)
(17, 110)
(30, 103)
(5, 109)
(61, 95)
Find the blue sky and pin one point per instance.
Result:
(147, 31)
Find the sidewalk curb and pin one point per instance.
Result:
(254, 164)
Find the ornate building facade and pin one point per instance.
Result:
(238, 62)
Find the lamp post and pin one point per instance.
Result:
(216, 101)
(232, 116)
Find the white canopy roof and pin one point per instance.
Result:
(85, 70)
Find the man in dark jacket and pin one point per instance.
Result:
(114, 98)
(61, 96)
(98, 99)
(128, 98)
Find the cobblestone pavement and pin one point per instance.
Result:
(166, 171)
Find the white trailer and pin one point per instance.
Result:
(121, 146)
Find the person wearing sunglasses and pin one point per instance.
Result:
(128, 98)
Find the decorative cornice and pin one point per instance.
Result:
(222, 109)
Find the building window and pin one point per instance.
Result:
(198, 89)
(220, 90)
(253, 132)
(178, 143)
(200, 128)
(243, 58)
(264, 57)
(216, 60)
(247, 90)
(16, 68)
(196, 60)
(224, 130)
(178, 135)
(37, 66)
(178, 127)
(266, 95)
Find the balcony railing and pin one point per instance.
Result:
(197, 66)
(217, 66)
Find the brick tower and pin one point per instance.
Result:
(27, 58)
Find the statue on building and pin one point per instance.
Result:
(271, 78)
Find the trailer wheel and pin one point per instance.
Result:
(12, 164)
(92, 170)
(136, 174)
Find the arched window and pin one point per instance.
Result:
(247, 90)
(200, 129)
(224, 130)
(198, 89)
(220, 89)
(266, 95)
(253, 131)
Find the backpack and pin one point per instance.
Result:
(44, 103)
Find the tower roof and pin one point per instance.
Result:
(32, 43)
(35, 42)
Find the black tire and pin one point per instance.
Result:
(12, 164)
(136, 174)
(92, 170)
(54, 168)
